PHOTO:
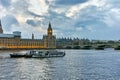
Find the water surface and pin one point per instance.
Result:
(76, 65)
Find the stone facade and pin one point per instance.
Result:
(14, 41)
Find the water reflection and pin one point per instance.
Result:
(21, 68)
(77, 64)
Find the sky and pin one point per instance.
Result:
(92, 19)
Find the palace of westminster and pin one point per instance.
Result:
(14, 41)
(49, 41)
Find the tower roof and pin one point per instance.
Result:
(49, 27)
(1, 30)
(0, 24)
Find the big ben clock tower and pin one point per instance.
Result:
(49, 30)
(49, 39)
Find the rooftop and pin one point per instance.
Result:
(6, 35)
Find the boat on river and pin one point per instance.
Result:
(19, 55)
(16, 55)
(47, 54)
(39, 54)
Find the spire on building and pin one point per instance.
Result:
(49, 27)
(32, 36)
(49, 31)
(0, 24)
(1, 30)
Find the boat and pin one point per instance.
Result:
(39, 54)
(20, 55)
(47, 54)
(17, 55)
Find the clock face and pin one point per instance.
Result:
(50, 31)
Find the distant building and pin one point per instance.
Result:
(14, 41)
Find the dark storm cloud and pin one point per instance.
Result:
(5, 3)
(69, 2)
(33, 22)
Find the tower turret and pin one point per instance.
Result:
(32, 36)
(49, 30)
(1, 30)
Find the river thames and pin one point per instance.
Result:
(75, 65)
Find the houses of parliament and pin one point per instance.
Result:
(14, 41)
(49, 41)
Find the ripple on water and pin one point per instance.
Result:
(76, 65)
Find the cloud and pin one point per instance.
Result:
(3, 11)
(33, 22)
(27, 30)
(113, 17)
(77, 9)
(8, 21)
(38, 7)
(5, 3)
(69, 2)
(114, 3)
(93, 19)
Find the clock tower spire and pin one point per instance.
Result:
(1, 30)
(49, 30)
